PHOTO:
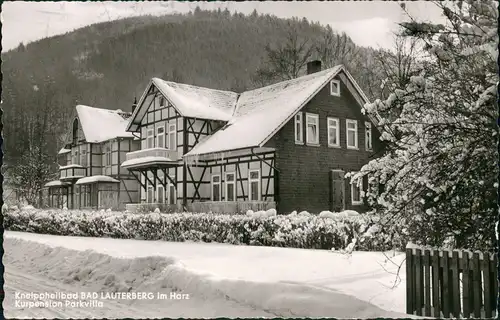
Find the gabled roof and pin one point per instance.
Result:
(252, 117)
(99, 125)
(260, 113)
(190, 101)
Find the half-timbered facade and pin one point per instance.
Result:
(90, 174)
(285, 146)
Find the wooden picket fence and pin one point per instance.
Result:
(446, 284)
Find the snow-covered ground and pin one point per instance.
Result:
(221, 280)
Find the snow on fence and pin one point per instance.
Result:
(460, 285)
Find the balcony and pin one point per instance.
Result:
(150, 158)
(72, 172)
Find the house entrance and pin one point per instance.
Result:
(337, 190)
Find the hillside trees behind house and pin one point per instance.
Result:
(440, 173)
(106, 65)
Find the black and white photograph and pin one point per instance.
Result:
(250, 159)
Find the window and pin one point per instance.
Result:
(356, 193)
(160, 194)
(299, 128)
(312, 132)
(333, 132)
(368, 136)
(107, 156)
(83, 160)
(254, 185)
(172, 135)
(150, 195)
(352, 134)
(75, 131)
(171, 194)
(150, 139)
(230, 187)
(85, 196)
(162, 101)
(335, 88)
(76, 159)
(216, 188)
(160, 137)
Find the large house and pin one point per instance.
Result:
(90, 174)
(287, 145)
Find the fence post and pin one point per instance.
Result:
(455, 268)
(418, 282)
(466, 284)
(435, 284)
(485, 267)
(476, 285)
(427, 274)
(446, 285)
(409, 282)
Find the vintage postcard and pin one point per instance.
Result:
(289, 159)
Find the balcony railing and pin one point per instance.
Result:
(72, 171)
(150, 157)
(153, 152)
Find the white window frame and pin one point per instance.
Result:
(148, 200)
(212, 184)
(83, 158)
(368, 136)
(168, 197)
(337, 131)
(107, 155)
(76, 157)
(347, 130)
(250, 180)
(227, 183)
(150, 134)
(172, 131)
(354, 185)
(333, 92)
(299, 121)
(160, 200)
(160, 136)
(162, 101)
(315, 117)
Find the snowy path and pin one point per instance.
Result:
(222, 280)
(20, 268)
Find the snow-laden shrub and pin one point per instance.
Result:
(262, 228)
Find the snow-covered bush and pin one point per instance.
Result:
(262, 228)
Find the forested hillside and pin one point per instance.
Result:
(106, 65)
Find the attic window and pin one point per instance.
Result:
(162, 101)
(335, 88)
(75, 131)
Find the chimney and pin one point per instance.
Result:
(313, 66)
(134, 105)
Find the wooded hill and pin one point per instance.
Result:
(106, 65)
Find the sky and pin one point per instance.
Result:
(368, 23)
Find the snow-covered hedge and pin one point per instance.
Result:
(303, 230)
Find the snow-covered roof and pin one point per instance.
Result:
(56, 183)
(63, 151)
(261, 112)
(99, 125)
(252, 117)
(70, 166)
(145, 160)
(191, 101)
(97, 178)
